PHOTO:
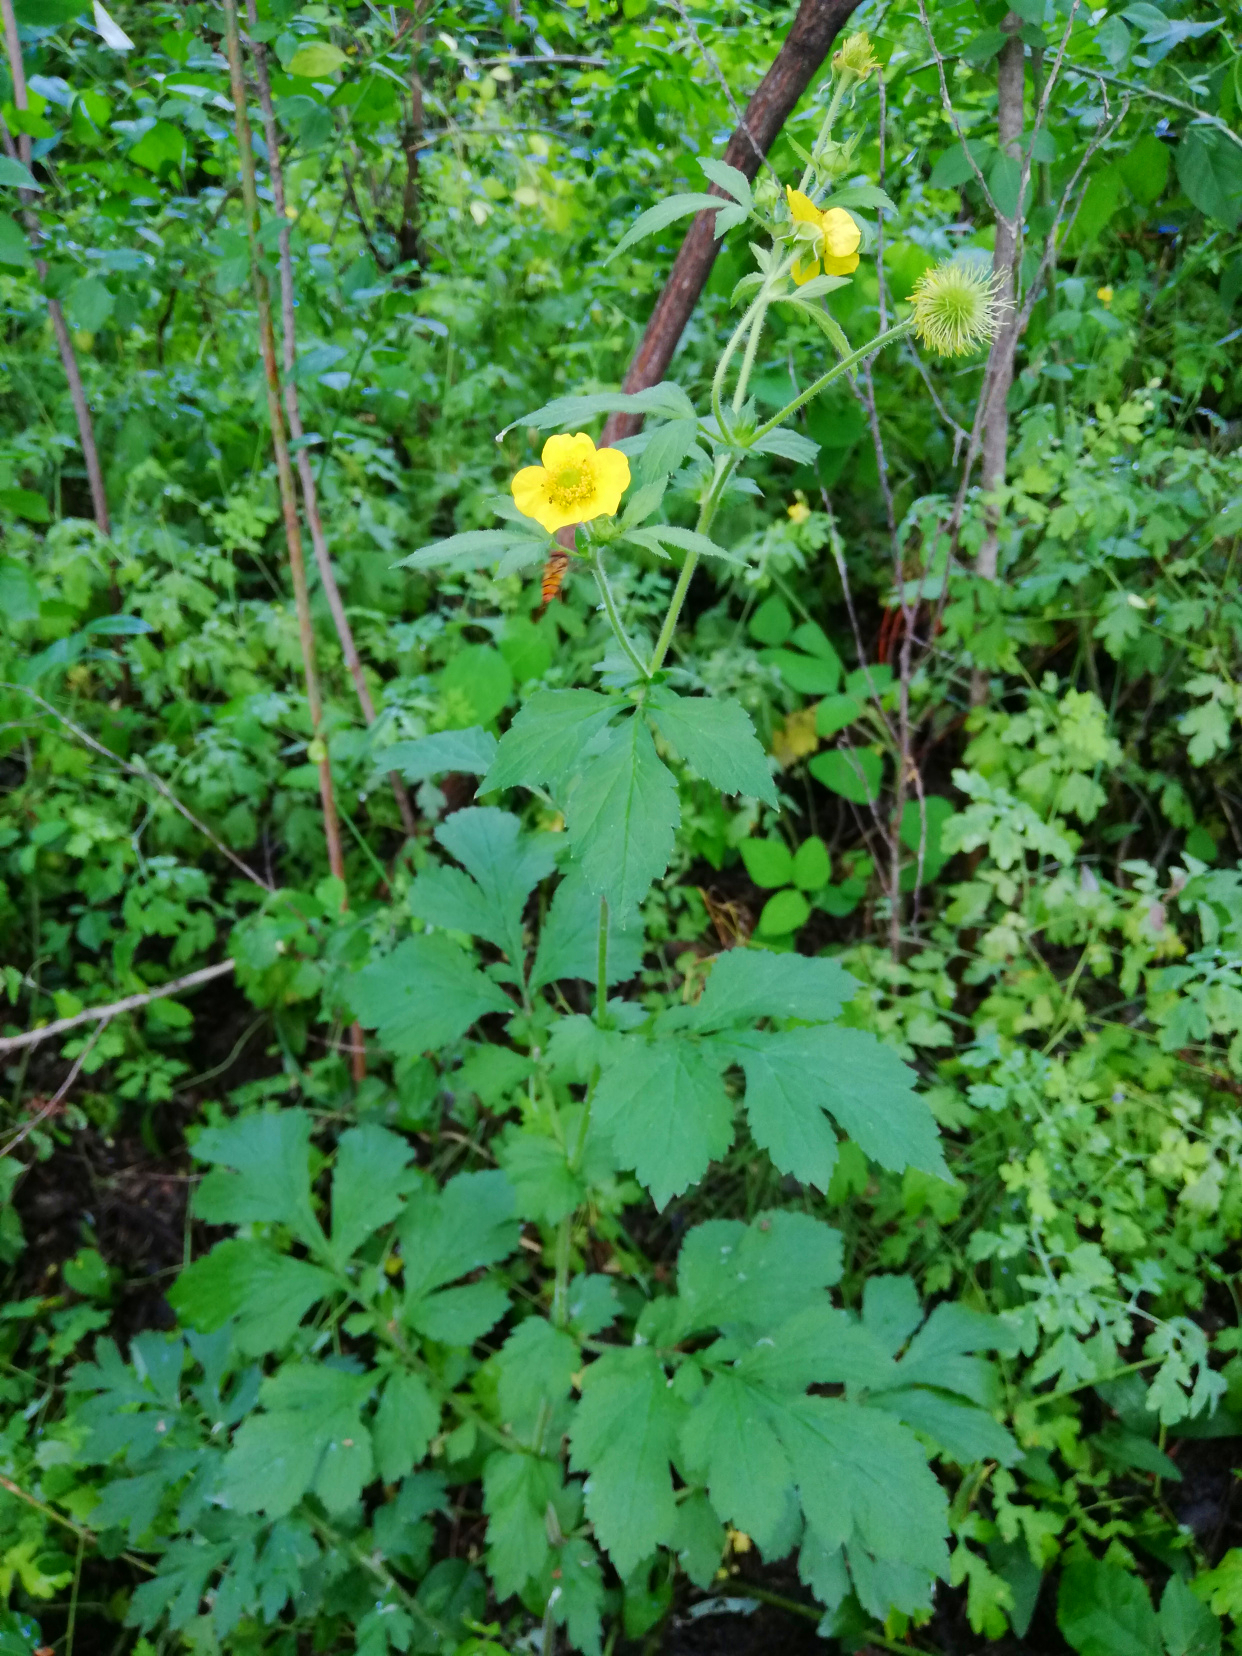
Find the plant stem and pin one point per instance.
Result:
(306, 474)
(725, 469)
(726, 356)
(613, 614)
(899, 330)
(748, 358)
(280, 447)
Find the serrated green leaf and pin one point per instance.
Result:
(861, 195)
(447, 1233)
(267, 1157)
(471, 750)
(569, 938)
(268, 1293)
(369, 1182)
(687, 540)
(664, 213)
(665, 450)
(729, 1442)
(503, 865)
(16, 176)
(478, 548)
(547, 740)
(667, 399)
(309, 1437)
(1104, 1610)
(406, 1420)
(459, 1316)
(624, 1435)
(536, 1366)
(668, 1113)
(784, 1120)
(622, 815)
(423, 995)
(789, 445)
(966, 1434)
(717, 739)
(746, 984)
(757, 1275)
(1187, 1626)
(728, 178)
(698, 1540)
(517, 1490)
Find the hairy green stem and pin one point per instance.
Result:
(614, 615)
(748, 358)
(898, 331)
(726, 356)
(724, 470)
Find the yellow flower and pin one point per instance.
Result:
(799, 511)
(577, 482)
(1104, 295)
(795, 738)
(836, 244)
(856, 56)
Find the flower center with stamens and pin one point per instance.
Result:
(571, 484)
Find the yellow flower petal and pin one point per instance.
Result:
(804, 269)
(802, 208)
(563, 450)
(612, 479)
(530, 496)
(841, 234)
(840, 267)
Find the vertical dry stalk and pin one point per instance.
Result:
(409, 238)
(306, 475)
(1010, 113)
(68, 357)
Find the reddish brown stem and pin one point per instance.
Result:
(814, 29)
(64, 344)
(306, 472)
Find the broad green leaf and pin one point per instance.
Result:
(861, 195)
(16, 176)
(812, 867)
(315, 60)
(623, 1437)
(446, 897)
(405, 1423)
(686, 540)
(854, 773)
(757, 1275)
(783, 914)
(548, 738)
(966, 1434)
(728, 178)
(667, 212)
(860, 1082)
(309, 1437)
(665, 449)
(848, 1461)
(769, 862)
(1103, 1610)
(667, 1111)
(470, 750)
(1209, 169)
(517, 1490)
(789, 445)
(834, 713)
(746, 984)
(447, 1233)
(698, 1540)
(622, 815)
(505, 863)
(808, 675)
(369, 1181)
(423, 995)
(667, 399)
(818, 1345)
(940, 1354)
(267, 1158)
(1187, 1626)
(459, 1316)
(717, 739)
(569, 938)
(476, 678)
(891, 1312)
(730, 1443)
(268, 1293)
(536, 1365)
(771, 623)
(477, 548)
(783, 1119)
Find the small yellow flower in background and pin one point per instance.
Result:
(795, 738)
(1104, 295)
(957, 308)
(739, 1541)
(577, 482)
(856, 56)
(799, 511)
(836, 245)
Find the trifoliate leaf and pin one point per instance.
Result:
(310, 1436)
(624, 1435)
(268, 1293)
(423, 995)
(667, 1111)
(622, 815)
(548, 739)
(717, 739)
(407, 1419)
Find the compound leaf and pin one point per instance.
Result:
(423, 995)
(668, 1112)
(268, 1293)
(548, 738)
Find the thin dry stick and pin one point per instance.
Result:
(280, 446)
(146, 775)
(54, 1102)
(64, 344)
(131, 1003)
(284, 470)
(306, 473)
(713, 63)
